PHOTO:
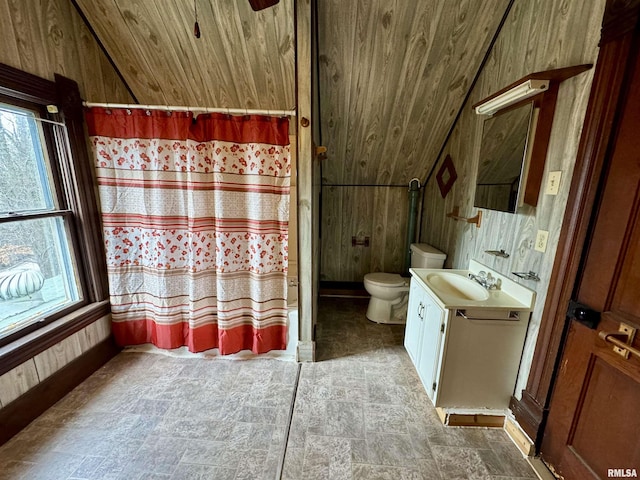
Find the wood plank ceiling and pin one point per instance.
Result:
(243, 59)
(392, 73)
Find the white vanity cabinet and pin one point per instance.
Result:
(415, 321)
(426, 322)
(466, 352)
(431, 350)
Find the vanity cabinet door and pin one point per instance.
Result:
(431, 346)
(413, 328)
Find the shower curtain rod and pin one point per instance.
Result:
(229, 111)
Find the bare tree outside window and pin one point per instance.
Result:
(36, 272)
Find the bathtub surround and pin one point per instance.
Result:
(195, 215)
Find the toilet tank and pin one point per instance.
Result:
(424, 255)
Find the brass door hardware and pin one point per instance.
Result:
(622, 340)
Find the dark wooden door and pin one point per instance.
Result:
(593, 428)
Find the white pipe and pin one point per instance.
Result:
(229, 111)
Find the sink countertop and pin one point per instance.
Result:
(511, 296)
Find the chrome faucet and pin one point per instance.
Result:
(486, 280)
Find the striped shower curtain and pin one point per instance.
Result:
(195, 219)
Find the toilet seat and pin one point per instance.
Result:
(385, 279)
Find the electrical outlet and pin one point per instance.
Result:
(541, 241)
(553, 183)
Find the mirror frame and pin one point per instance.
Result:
(537, 143)
(545, 103)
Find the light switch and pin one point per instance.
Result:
(553, 183)
(541, 241)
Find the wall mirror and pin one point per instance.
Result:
(504, 159)
(515, 140)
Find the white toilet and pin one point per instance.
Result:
(389, 291)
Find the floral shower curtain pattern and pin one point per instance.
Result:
(195, 217)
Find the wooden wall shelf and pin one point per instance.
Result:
(455, 214)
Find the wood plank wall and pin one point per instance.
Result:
(307, 223)
(29, 374)
(47, 37)
(44, 38)
(537, 36)
(392, 76)
(379, 213)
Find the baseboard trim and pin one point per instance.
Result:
(519, 437)
(306, 351)
(540, 469)
(342, 289)
(26, 408)
(529, 414)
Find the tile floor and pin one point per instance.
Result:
(359, 413)
(362, 413)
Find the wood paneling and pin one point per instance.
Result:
(536, 36)
(17, 381)
(307, 193)
(393, 76)
(94, 333)
(47, 37)
(379, 213)
(29, 374)
(243, 59)
(56, 357)
(18, 414)
(44, 38)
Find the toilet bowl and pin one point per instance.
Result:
(389, 291)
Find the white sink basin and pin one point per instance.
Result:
(458, 286)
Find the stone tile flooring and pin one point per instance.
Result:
(150, 416)
(360, 412)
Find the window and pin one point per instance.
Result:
(51, 254)
(38, 270)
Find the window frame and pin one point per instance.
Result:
(77, 200)
(59, 166)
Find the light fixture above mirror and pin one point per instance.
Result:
(514, 143)
(513, 95)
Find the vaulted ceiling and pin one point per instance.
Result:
(243, 59)
(392, 75)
